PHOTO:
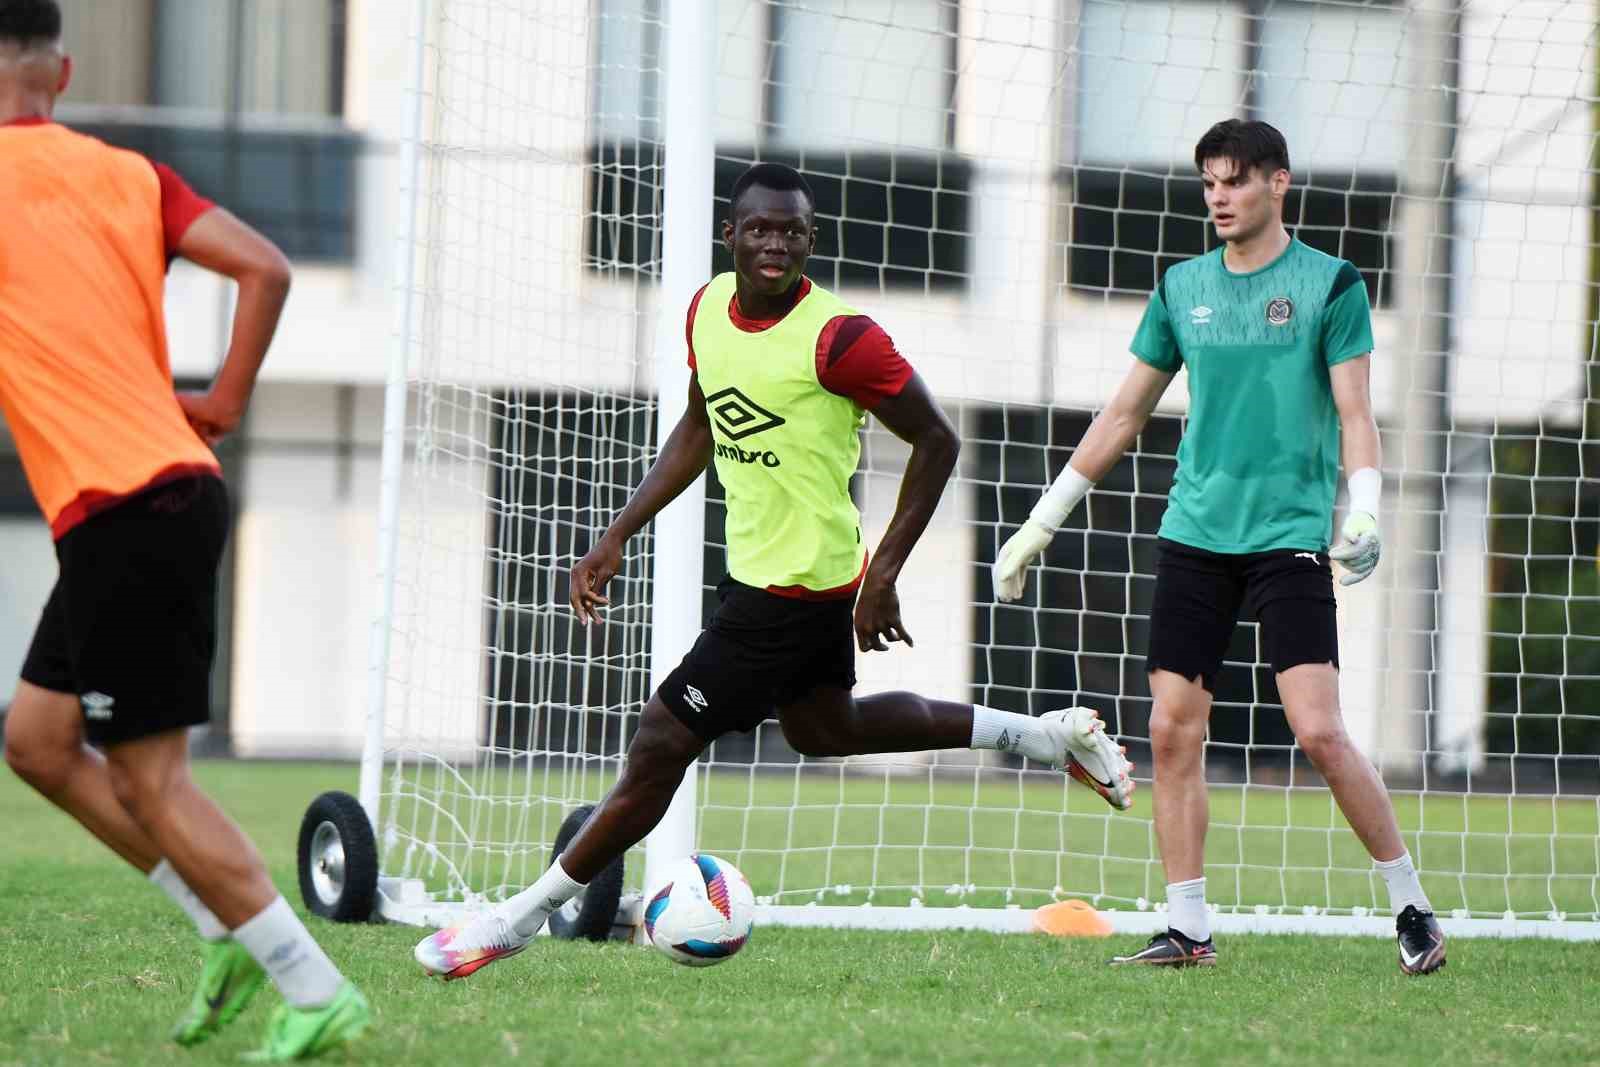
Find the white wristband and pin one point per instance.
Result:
(1366, 490)
(1059, 500)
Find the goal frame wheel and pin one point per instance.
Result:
(338, 859)
(591, 914)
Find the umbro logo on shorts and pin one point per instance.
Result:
(97, 706)
(738, 416)
(695, 697)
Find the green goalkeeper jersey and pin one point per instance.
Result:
(1259, 462)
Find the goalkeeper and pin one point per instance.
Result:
(783, 373)
(1277, 340)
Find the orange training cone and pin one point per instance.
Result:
(1071, 918)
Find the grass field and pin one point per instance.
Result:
(97, 965)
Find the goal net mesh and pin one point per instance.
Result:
(1000, 183)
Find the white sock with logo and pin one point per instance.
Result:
(173, 885)
(528, 910)
(1186, 909)
(1404, 885)
(1006, 731)
(280, 942)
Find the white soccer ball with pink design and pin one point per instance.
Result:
(702, 913)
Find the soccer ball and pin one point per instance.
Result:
(702, 914)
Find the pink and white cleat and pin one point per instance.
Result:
(1089, 756)
(457, 951)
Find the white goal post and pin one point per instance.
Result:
(1000, 183)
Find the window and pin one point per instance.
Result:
(189, 82)
(858, 98)
(1156, 73)
(1153, 76)
(864, 73)
(283, 57)
(1350, 116)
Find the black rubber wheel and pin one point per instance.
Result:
(338, 859)
(590, 914)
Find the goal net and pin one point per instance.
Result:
(1000, 183)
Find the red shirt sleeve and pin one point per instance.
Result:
(688, 326)
(180, 206)
(856, 359)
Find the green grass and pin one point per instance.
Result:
(97, 965)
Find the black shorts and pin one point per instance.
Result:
(760, 652)
(131, 625)
(1197, 601)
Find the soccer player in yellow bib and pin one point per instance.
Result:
(783, 374)
(1249, 517)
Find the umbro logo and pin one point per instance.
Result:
(97, 706)
(1005, 742)
(1199, 316)
(738, 416)
(695, 697)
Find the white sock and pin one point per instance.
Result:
(1186, 909)
(296, 964)
(173, 885)
(527, 911)
(1404, 885)
(1006, 731)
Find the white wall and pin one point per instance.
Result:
(306, 557)
(27, 573)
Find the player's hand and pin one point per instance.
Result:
(1015, 556)
(1360, 549)
(589, 578)
(212, 417)
(878, 616)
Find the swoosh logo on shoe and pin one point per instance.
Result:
(1408, 959)
(215, 1003)
(1090, 775)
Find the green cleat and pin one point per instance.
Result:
(301, 1033)
(228, 979)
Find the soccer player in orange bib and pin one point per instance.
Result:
(121, 468)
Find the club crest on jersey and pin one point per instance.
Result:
(738, 416)
(1280, 309)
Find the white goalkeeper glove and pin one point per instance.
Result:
(1362, 547)
(1023, 547)
(1015, 556)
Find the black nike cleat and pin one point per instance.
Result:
(1421, 941)
(1172, 949)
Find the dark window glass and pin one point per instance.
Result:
(1129, 228)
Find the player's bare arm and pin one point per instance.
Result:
(1115, 429)
(1352, 397)
(220, 242)
(683, 458)
(1109, 436)
(914, 418)
(1362, 459)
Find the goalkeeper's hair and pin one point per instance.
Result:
(1248, 144)
(770, 176)
(30, 22)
